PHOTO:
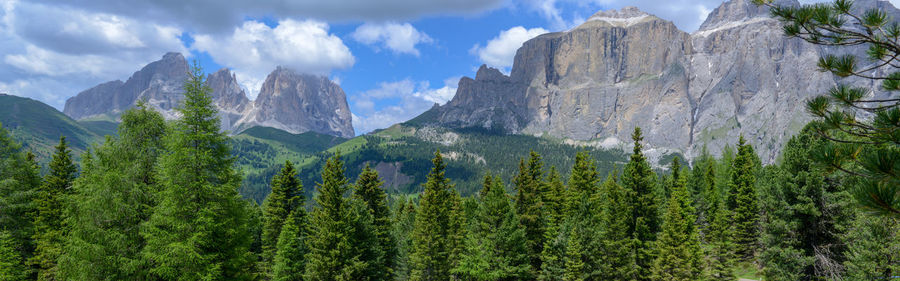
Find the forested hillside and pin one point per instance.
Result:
(159, 200)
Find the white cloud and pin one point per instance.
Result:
(399, 38)
(69, 50)
(254, 49)
(501, 50)
(214, 16)
(409, 100)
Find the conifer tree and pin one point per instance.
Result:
(111, 198)
(805, 215)
(719, 250)
(437, 236)
(639, 182)
(555, 197)
(289, 262)
(529, 186)
(874, 248)
(743, 202)
(12, 267)
(574, 258)
(198, 229)
(19, 183)
(582, 211)
(48, 224)
(403, 223)
(342, 243)
(285, 198)
(369, 189)
(679, 256)
(618, 258)
(494, 245)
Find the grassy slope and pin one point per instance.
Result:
(39, 126)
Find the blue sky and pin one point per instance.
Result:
(393, 58)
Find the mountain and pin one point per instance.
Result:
(738, 74)
(299, 103)
(38, 126)
(289, 101)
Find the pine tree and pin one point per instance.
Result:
(12, 267)
(437, 236)
(494, 244)
(48, 225)
(342, 243)
(403, 223)
(285, 198)
(743, 202)
(618, 258)
(873, 248)
(719, 251)
(111, 198)
(554, 198)
(369, 189)
(198, 229)
(574, 258)
(679, 255)
(19, 183)
(582, 211)
(639, 183)
(289, 261)
(805, 215)
(529, 186)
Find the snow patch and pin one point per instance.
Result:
(730, 25)
(622, 22)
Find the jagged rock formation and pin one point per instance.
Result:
(288, 101)
(738, 74)
(299, 103)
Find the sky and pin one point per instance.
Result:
(393, 58)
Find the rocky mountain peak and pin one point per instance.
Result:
(737, 11)
(488, 73)
(624, 17)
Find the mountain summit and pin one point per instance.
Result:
(289, 101)
(738, 74)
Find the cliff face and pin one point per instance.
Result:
(288, 101)
(738, 74)
(298, 103)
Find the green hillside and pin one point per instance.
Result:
(38, 126)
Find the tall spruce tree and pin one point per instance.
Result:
(873, 243)
(403, 224)
(437, 237)
(743, 201)
(342, 243)
(574, 258)
(289, 263)
(198, 229)
(111, 198)
(806, 214)
(285, 198)
(554, 198)
(582, 211)
(12, 268)
(679, 255)
(368, 188)
(639, 182)
(529, 186)
(719, 249)
(619, 257)
(48, 224)
(494, 245)
(19, 183)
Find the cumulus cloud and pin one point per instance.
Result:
(501, 50)
(69, 50)
(686, 14)
(408, 98)
(210, 16)
(254, 49)
(399, 38)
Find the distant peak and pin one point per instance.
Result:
(737, 11)
(624, 17)
(172, 55)
(487, 73)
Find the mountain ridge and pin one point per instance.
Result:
(322, 109)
